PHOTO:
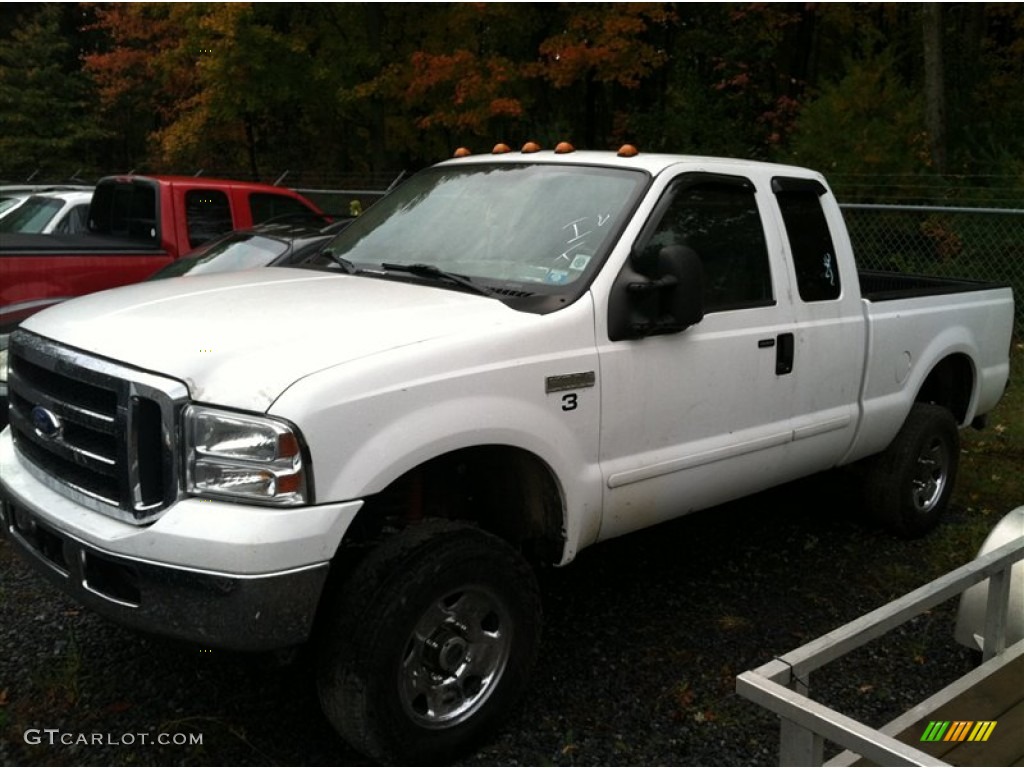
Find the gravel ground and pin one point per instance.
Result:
(643, 639)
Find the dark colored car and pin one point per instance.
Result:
(269, 244)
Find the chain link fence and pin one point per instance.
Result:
(972, 243)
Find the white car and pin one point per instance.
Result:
(970, 620)
(11, 201)
(13, 195)
(51, 212)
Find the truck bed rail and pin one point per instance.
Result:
(879, 285)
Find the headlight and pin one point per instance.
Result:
(235, 456)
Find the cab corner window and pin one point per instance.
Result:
(721, 223)
(814, 260)
(208, 214)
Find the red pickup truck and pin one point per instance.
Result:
(137, 224)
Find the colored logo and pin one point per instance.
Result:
(958, 730)
(46, 422)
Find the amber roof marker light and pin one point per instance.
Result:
(500, 149)
(530, 147)
(564, 148)
(628, 150)
(462, 152)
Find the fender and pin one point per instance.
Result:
(893, 383)
(370, 421)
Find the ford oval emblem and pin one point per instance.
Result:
(46, 422)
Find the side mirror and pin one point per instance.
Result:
(657, 295)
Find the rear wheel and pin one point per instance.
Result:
(430, 643)
(908, 485)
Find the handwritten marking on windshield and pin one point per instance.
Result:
(567, 251)
(576, 229)
(579, 235)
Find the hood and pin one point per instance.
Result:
(240, 339)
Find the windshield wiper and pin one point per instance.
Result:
(436, 273)
(344, 263)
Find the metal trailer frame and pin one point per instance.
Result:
(782, 685)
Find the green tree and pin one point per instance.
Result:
(985, 81)
(733, 82)
(46, 121)
(868, 121)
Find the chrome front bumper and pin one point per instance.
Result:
(247, 613)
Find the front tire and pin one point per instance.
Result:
(430, 643)
(908, 486)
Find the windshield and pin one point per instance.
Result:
(238, 251)
(541, 225)
(32, 216)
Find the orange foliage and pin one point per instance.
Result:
(459, 90)
(607, 41)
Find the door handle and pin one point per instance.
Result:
(784, 354)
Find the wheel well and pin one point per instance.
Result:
(950, 384)
(507, 491)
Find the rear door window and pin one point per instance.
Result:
(810, 241)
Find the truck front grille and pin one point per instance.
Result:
(98, 432)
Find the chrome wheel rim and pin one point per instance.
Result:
(455, 657)
(931, 474)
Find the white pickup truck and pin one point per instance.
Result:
(509, 358)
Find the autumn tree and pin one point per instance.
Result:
(600, 58)
(455, 73)
(234, 85)
(196, 82)
(252, 78)
(138, 90)
(256, 88)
